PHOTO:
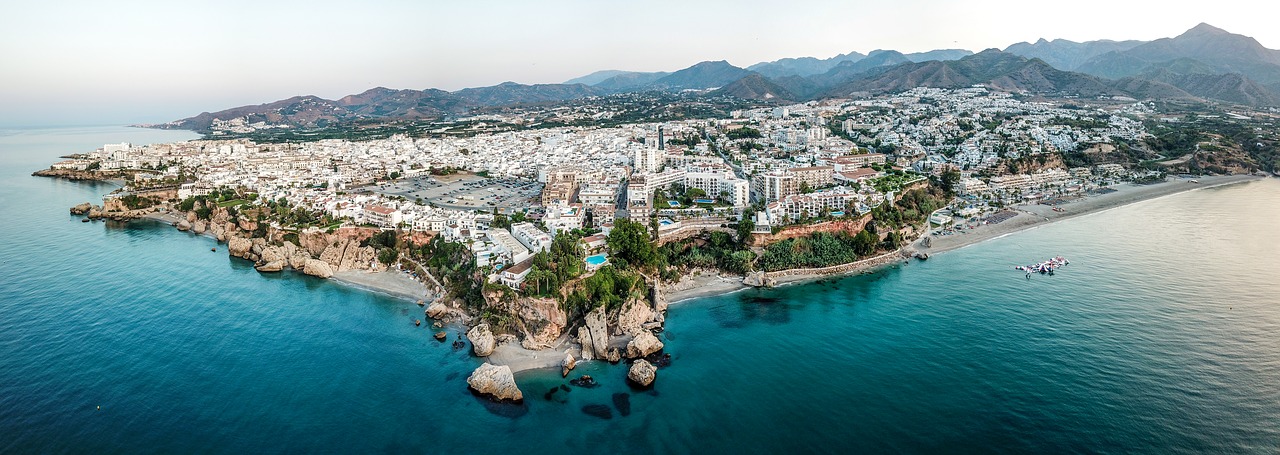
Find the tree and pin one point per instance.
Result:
(629, 241)
(864, 243)
(745, 226)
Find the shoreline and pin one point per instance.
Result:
(703, 284)
(1032, 216)
(391, 283)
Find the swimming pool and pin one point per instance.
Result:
(596, 260)
(704, 201)
(666, 222)
(673, 203)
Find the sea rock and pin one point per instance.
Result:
(184, 225)
(259, 245)
(239, 247)
(199, 227)
(274, 266)
(613, 355)
(643, 344)
(567, 365)
(588, 348)
(482, 340)
(299, 259)
(317, 268)
(631, 316)
(496, 382)
(81, 209)
(95, 212)
(271, 253)
(437, 310)
(441, 336)
(542, 322)
(642, 373)
(594, 335)
(585, 381)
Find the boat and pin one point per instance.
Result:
(1044, 268)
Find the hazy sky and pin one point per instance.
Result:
(108, 62)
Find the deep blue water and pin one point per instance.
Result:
(1160, 337)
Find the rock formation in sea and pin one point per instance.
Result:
(482, 340)
(642, 373)
(495, 382)
(567, 364)
(643, 344)
(594, 335)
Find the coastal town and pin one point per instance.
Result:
(569, 238)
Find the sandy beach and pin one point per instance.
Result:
(520, 359)
(392, 282)
(702, 283)
(1029, 216)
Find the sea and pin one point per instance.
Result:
(1161, 336)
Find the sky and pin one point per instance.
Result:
(97, 62)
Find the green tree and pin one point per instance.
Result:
(745, 226)
(629, 241)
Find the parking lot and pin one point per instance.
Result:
(464, 191)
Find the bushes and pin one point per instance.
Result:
(822, 249)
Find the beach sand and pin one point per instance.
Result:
(702, 283)
(520, 359)
(392, 282)
(1029, 216)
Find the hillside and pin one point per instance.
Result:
(1068, 55)
(992, 67)
(704, 75)
(802, 66)
(756, 87)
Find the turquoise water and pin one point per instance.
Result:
(596, 260)
(1160, 337)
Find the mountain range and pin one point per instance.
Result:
(1203, 63)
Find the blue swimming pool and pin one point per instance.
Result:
(596, 260)
(673, 203)
(704, 201)
(666, 222)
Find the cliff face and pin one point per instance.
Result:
(316, 252)
(853, 226)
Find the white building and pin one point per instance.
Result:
(531, 237)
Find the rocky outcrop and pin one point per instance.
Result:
(482, 340)
(567, 364)
(759, 280)
(349, 255)
(437, 310)
(81, 209)
(317, 268)
(542, 321)
(495, 382)
(240, 246)
(184, 225)
(199, 227)
(642, 373)
(594, 335)
(631, 317)
(274, 266)
(642, 345)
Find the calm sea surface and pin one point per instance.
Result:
(1162, 336)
